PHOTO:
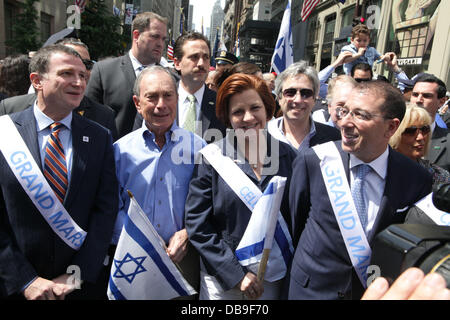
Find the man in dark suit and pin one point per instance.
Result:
(429, 93)
(192, 61)
(322, 267)
(88, 108)
(296, 89)
(34, 259)
(112, 80)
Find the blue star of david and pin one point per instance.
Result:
(129, 259)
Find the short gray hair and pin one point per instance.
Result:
(340, 80)
(152, 69)
(300, 67)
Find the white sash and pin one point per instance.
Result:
(344, 209)
(30, 176)
(440, 217)
(250, 194)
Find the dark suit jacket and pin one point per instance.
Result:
(111, 83)
(216, 218)
(324, 133)
(208, 119)
(90, 109)
(29, 247)
(321, 267)
(439, 149)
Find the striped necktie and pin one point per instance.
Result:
(189, 123)
(55, 169)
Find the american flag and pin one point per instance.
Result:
(81, 4)
(308, 7)
(170, 52)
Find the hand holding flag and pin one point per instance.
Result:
(142, 270)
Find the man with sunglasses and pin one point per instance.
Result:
(342, 194)
(88, 108)
(429, 93)
(362, 72)
(297, 89)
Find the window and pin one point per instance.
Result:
(330, 23)
(46, 26)
(11, 11)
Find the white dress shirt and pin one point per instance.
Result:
(183, 103)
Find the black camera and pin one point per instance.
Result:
(401, 246)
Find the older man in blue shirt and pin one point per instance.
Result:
(156, 163)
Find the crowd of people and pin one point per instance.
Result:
(89, 133)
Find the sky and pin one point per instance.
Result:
(203, 8)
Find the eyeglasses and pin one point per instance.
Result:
(89, 64)
(358, 115)
(291, 93)
(412, 131)
(362, 79)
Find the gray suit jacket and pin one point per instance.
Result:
(439, 149)
(111, 83)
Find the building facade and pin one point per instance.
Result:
(418, 35)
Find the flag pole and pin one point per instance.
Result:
(263, 265)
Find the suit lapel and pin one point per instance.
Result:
(26, 125)
(208, 109)
(438, 142)
(81, 142)
(127, 69)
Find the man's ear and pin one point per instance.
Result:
(136, 103)
(135, 35)
(36, 80)
(176, 64)
(393, 126)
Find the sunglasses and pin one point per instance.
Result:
(304, 93)
(412, 131)
(89, 64)
(362, 79)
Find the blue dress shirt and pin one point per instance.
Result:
(158, 178)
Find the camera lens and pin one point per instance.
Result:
(438, 261)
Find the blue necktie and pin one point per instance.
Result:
(361, 171)
(55, 168)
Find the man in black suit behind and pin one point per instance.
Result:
(34, 260)
(112, 80)
(192, 61)
(88, 108)
(322, 267)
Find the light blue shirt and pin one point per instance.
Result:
(369, 57)
(43, 123)
(158, 178)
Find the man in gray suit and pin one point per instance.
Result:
(429, 93)
(112, 80)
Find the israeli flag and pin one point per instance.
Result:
(141, 269)
(283, 56)
(266, 225)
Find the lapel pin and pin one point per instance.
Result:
(81, 112)
(85, 139)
